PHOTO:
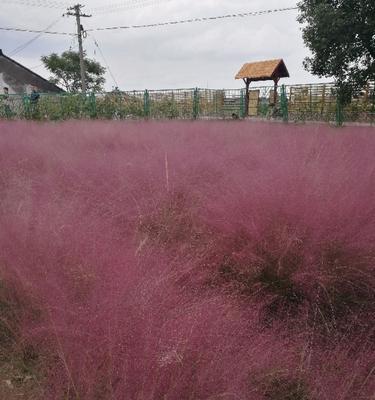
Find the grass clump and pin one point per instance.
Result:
(20, 364)
(282, 388)
(172, 223)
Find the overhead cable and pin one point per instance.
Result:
(129, 5)
(39, 3)
(105, 60)
(36, 31)
(184, 21)
(193, 20)
(29, 42)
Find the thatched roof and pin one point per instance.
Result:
(263, 70)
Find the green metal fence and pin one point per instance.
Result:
(316, 102)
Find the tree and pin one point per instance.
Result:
(66, 71)
(341, 37)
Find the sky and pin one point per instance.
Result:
(202, 54)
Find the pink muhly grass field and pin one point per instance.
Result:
(189, 260)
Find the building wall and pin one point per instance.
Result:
(21, 80)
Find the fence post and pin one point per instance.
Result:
(339, 113)
(284, 104)
(174, 108)
(196, 103)
(92, 105)
(372, 113)
(146, 104)
(26, 106)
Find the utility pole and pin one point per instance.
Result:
(75, 11)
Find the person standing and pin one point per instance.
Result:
(6, 103)
(34, 99)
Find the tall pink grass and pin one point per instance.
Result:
(203, 260)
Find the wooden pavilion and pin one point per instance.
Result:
(262, 71)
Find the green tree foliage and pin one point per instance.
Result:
(341, 37)
(66, 71)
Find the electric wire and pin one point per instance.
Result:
(201, 19)
(36, 31)
(73, 44)
(185, 21)
(29, 42)
(112, 8)
(104, 59)
(38, 3)
(36, 66)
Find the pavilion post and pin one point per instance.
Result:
(276, 81)
(247, 83)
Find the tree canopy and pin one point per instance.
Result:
(341, 37)
(66, 71)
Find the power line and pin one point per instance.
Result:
(111, 8)
(36, 31)
(104, 59)
(39, 3)
(29, 42)
(36, 66)
(73, 44)
(202, 19)
(186, 21)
